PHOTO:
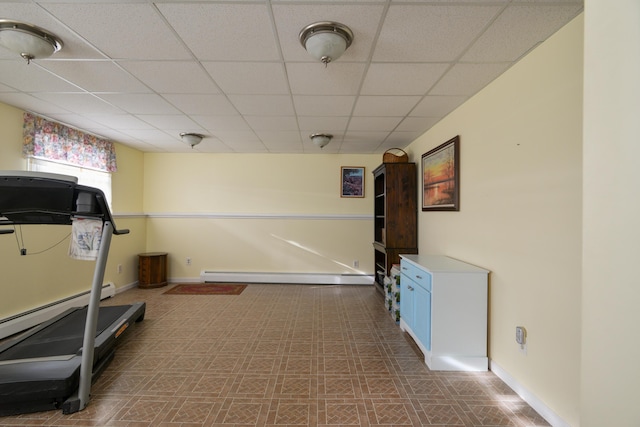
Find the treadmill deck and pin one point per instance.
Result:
(39, 370)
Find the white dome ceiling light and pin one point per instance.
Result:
(192, 139)
(27, 40)
(326, 40)
(321, 139)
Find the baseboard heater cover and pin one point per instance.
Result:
(286, 278)
(28, 319)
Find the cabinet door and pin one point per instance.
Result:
(407, 287)
(422, 329)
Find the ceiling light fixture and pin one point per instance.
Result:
(192, 139)
(27, 40)
(326, 40)
(321, 139)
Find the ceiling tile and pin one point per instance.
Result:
(417, 124)
(222, 123)
(210, 145)
(385, 105)
(437, 106)
(120, 121)
(272, 123)
(401, 79)
(154, 136)
(32, 78)
(467, 79)
(31, 103)
(274, 138)
(369, 139)
(319, 105)
(224, 32)
(96, 76)
(518, 29)
(84, 102)
(202, 104)
(317, 124)
(266, 105)
(125, 31)
(172, 76)
(430, 32)
(179, 122)
(237, 137)
(262, 78)
(374, 123)
(338, 78)
(140, 103)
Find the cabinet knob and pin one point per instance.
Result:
(410, 288)
(418, 277)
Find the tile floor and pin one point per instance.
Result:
(280, 355)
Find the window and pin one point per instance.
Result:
(86, 176)
(55, 148)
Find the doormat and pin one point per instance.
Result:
(206, 289)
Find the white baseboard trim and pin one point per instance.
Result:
(538, 405)
(288, 278)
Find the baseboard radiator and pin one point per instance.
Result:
(286, 278)
(22, 321)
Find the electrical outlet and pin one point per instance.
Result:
(521, 338)
(356, 263)
(521, 335)
(119, 268)
(188, 260)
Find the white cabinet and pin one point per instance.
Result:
(444, 309)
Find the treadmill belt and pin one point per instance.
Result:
(64, 336)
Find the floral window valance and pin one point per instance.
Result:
(53, 141)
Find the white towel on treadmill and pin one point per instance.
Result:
(86, 235)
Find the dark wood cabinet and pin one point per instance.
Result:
(152, 270)
(395, 215)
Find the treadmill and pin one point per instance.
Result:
(52, 365)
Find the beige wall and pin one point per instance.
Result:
(520, 213)
(11, 138)
(37, 279)
(127, 186)
(611, 288)
(257, 213)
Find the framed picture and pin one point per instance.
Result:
(351, 181)
(441, 177)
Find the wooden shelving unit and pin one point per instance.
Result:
(395, 216)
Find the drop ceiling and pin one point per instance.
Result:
(141, 72)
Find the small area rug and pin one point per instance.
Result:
(207, 289)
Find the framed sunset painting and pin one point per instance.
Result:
(441, 177)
